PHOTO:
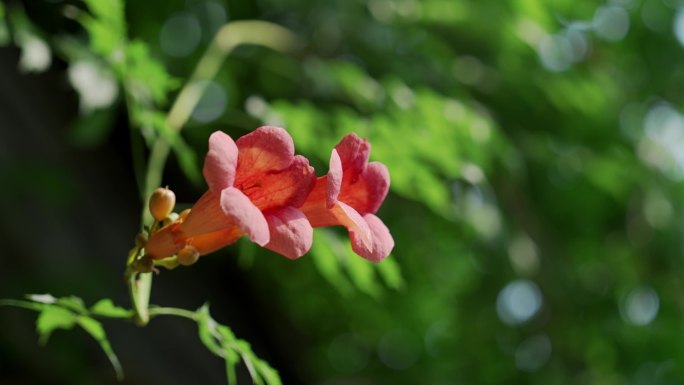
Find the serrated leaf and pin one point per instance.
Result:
(52, 318)
(106, 308)
(95, 329)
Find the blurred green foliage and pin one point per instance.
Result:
(536, 150)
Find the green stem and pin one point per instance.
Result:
(139, 288)
(228, 37)
(155, 311)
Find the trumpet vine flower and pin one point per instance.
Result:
(256, 185)
(349, 195)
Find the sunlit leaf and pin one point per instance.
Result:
(72, 303)
(52, 318)
(106, 308)
(107, 27)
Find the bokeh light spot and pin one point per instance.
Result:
(95, 84)
(641, 306)
(555, 53)
(523, 255)
(180, 35)
(212, 104)
(519, 301)
(35, 54)
(611, 22)
(533, 353)
(435, 338)
(679, 26)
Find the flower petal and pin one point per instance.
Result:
(334, 181)
(288, 187)
(206, 216)
(210, 242)
(354, 153)
(221, 161)
(266, 149)
(243, 213)
(383, 243)
(367, 192)
(164, 243)
(291, 232)
(354, 222)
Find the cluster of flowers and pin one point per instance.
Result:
(258, 187)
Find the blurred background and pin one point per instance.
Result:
(536, 150)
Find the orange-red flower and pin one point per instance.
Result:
(255, 188)
(349, 195)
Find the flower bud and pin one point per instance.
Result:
(188, 255)
(161, 203)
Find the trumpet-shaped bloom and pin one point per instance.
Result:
(255, 188)
(349, 195)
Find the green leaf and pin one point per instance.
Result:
(95, 329)
(232, 359)
(270, 375)
(221, 341)
(52, 318)
(207, 329)
(107, 26)
(362, 273)
(72, 303)
(325, 260)
(390, 271)
(106, 308)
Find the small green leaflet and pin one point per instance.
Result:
(67, 312)
(106, 308)
(221, 341)
(52, 318)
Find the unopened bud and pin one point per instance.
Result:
(188, 255)
(161, 203)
